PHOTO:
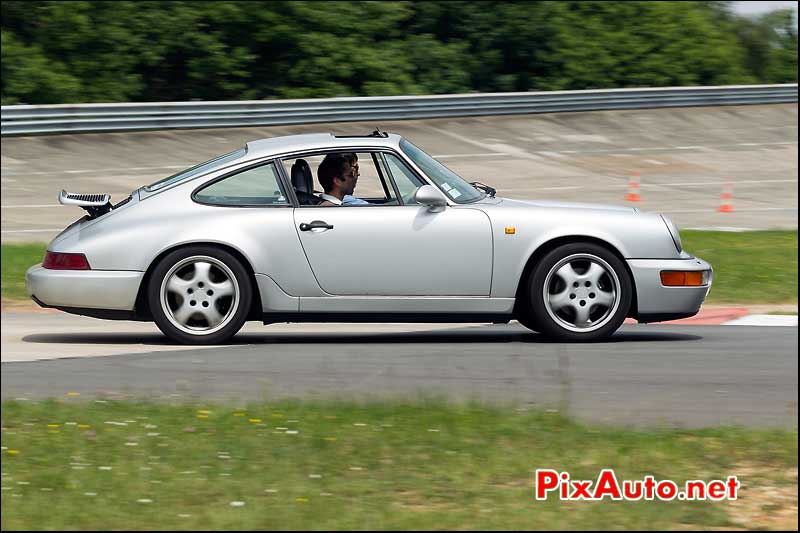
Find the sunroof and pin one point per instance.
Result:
(377, 133)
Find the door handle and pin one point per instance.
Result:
(316, 224)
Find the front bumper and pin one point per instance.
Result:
(656, 302)
(85, 289)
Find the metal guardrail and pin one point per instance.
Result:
(82, 118)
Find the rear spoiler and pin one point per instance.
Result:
(96, 204)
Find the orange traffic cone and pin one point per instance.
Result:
(726, 199)
(634, 184)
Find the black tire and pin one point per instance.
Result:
(525, 317)
(198, 329)
(564, 323)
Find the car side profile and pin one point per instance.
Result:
(244, 237)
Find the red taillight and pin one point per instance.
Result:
(59, 261)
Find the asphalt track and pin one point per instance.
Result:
(658, 374)
(684, 157)
(687, 376)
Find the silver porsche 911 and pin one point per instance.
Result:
(246, 236)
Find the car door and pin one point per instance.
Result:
(397, 250)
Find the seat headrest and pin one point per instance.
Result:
(302, 179)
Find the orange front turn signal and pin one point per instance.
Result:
(674, 278)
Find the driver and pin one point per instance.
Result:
(338, 175)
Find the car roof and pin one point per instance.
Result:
(317, 141)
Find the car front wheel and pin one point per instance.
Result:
(579, 292)
(200, 295)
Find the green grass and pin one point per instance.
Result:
(751, 267)
(73, 464)
(16, 259)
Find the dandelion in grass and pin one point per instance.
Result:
(240, 414)
(12, 452)
(330, 439)
(301, 500)
(255, 420)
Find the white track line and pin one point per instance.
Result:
(763, 320)
(85, 171)
(31, 230)
(26, 206)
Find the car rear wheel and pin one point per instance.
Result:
(200, 295)
(579, 292)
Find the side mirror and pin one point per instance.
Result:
(430, 196)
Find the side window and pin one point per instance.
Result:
(372, 185)
(407, 182)
(255, 186)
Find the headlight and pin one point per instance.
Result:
(673, 231)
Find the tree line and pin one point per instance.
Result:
(138, 51)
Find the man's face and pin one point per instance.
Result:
(350, 179)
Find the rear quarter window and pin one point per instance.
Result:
(252, 187)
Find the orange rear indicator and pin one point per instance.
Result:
(676, 278)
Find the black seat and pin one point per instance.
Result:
(303, 183)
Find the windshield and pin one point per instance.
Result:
(448, 181)
(197, 170)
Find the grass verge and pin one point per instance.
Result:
(306, 465)
(16, 259)
(751, 267)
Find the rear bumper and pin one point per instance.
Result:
(656, 302)
(89, 289)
